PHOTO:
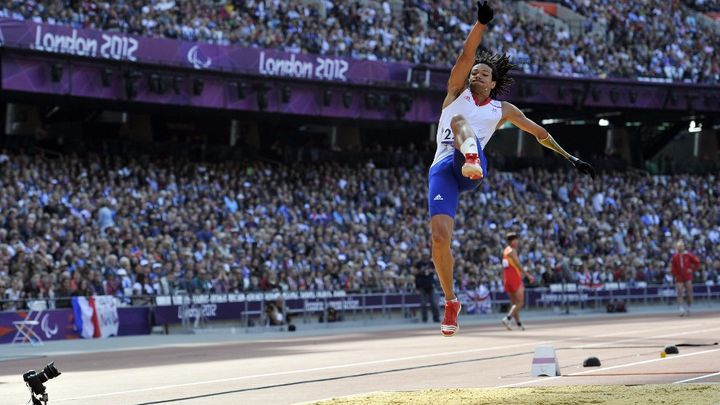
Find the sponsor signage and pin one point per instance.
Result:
(59, 324)
(200, 56)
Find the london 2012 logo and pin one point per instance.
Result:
(197, 60)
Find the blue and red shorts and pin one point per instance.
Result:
(446, 182)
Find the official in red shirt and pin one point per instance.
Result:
(682, 266)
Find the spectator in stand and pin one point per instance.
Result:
(704, 5)
(167, 284)
(187, 284)
(425, 286)
(112, 285)
(83, 289)
(142, 290)
(4, 305)
(64, 292)
(96, 283)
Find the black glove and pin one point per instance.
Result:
(583, 167)
(485, 13)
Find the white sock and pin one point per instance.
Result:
(469, 146)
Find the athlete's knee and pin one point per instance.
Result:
(441, 233)
(456, 122)
(441, 237)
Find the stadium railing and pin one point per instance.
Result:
(374, 302)
(258, 312)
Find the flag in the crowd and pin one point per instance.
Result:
(96, 316)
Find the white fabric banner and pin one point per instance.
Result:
(107, 315)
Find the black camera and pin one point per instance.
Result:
(35, 381)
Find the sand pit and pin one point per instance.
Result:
(696, 394)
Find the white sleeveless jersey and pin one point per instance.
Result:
(483, 120)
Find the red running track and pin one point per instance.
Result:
(295, 369)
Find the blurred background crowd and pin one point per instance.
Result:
(107, 225)
(661, 39)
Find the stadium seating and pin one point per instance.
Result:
(72, 226)
(655, 39)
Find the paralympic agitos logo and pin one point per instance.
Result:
(196, 60)
(46, 328)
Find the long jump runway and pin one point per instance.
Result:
(298, 369)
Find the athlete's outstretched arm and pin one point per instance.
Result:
(518, 118)
(463, 65)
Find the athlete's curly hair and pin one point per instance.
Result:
(501, 66)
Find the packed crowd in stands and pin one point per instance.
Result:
(631, 39)
(104, 225)
(704, 5)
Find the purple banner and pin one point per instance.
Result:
(252, 305)
(81, 77)
(32, 73)
(539, 297)
(58, 324)
(195, 55)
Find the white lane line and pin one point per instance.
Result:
(644, 338)
(301, 371)
(697, 378)
(348, 365)
(636, 363)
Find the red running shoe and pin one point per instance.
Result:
(449, 326)
(472, 168)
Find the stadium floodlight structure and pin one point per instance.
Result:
(106, 77)
(198, 86)
(131, 77)
(286, 94)
(177, 83)
(347, 98)
(157, 83)
(371, 100)
(56, 72)
(402, 103)
(383, 101)
(578, 97)
(240, 88)
(690, 100)
(327, 97)
(261, 91)
(632, 96)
